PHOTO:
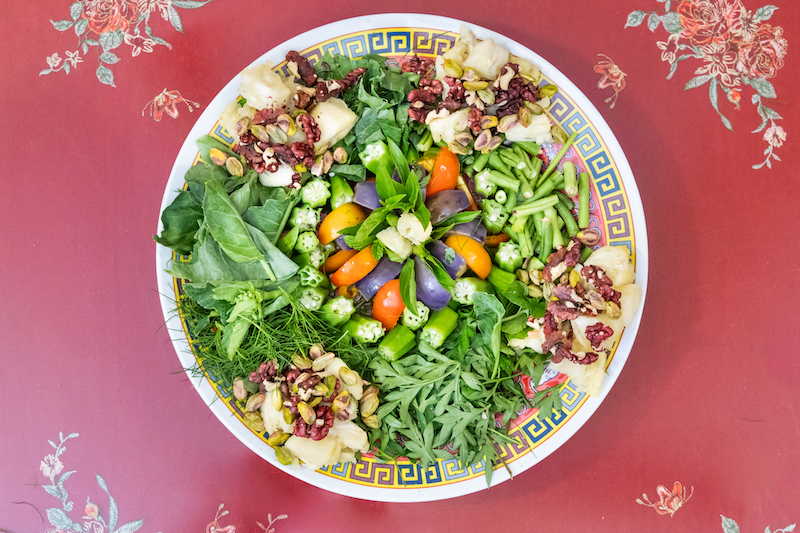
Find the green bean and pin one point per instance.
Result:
(554, 163)
(583, 198)
(544, 189)
(570, 182)
(536, 206)
(503, 180)
(551, 215)
(480, 162)
(546, 245)
(567, 217)
(530, 147)
(511, 202)
(496, 162)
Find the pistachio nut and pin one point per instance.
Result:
(276, 135)
(301, 362)
(535, 275)
(470, 74)
(242, 125)
(260, 132)
(315, 401)
(319, 150)
(613, 310)
(462, 122)
(488, 121)
(463, 138)
(218, 157)
(327, 161)
(239, 392)
(278, 438)
(525, 116)
(475, 85)
(276, 398)
(523, 276)
(330, 382)
(458, 148)
(342, 405)
(369, 401)
(559, 134)
(506, 123)
(321, 362)
(288, 417)
(534, 291)
(504, 78)
(255, 402)
(547, 90)
(315, 351)
(254, 421)
(306, 412)
(547, 289)
(482, 140)
(493, 144)
(371, 421)
(234, 167)
(453, 69)
(297, 112)
(348, 376)
(535, 108)
(486, 96)
(574, 278)
(284, 456)
(340, 155)
(316, 168)
(589, 237)
(320, 389)
(285, 123)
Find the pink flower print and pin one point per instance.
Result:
(91, 509)
(139, 43)
(775, 136)
(51, 466)
(54, 61)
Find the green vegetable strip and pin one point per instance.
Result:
(439, 327)
(526, 240)
(426, 142)
(537, 205)
(501, 279)
(397, 343)
(544, 189)
(546, 237)
(536, 168)
(502, 180)
(567, 217)
(558, 239)
(554, 163)
(570, 181)
(497, 163)
(480, 162)
(511, 201)
(585, 253)
(583, 201)
(530, 147)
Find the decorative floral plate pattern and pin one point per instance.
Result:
(616, 211)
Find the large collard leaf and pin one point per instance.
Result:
(210, 263)
(227, 226)
(268, 217)
(198, 175)
(181, 220)
(281, 266)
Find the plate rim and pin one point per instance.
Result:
(181, 346)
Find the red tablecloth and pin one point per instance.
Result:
(90, 384)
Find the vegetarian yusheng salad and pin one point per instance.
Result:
(384, 260)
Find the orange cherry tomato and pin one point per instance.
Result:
(473, 252)
(388, 304)
(446, 170)
(344, 216)
(495, 240)
(354, 268)
(335, 262)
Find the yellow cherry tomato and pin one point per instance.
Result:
(473, 252)
(335, 262)
(445, 173)
(344, 216)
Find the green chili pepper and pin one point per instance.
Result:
(397, 343)
(441, 324)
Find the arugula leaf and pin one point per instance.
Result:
(408, 287)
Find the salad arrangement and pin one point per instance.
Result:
(385, 261)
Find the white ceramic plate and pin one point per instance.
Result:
(617, 212)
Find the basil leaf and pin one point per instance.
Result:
(385, 185)
(459, 218)
(440, 273)
(282, 266)
(408, 286)
(489, 313)
(399, 160)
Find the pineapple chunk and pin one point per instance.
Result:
(587, 378)
(615, 262)
(335, 120)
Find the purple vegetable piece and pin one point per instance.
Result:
(456, 267)
(429, 290)
(343, 245)
(472, 229)
(445, 204)
(366, 195)
(386, 271)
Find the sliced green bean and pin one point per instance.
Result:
(583, 201)
(554, 163)
(480, 162)
(570, 181)
(536, 206)
(567, 217)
